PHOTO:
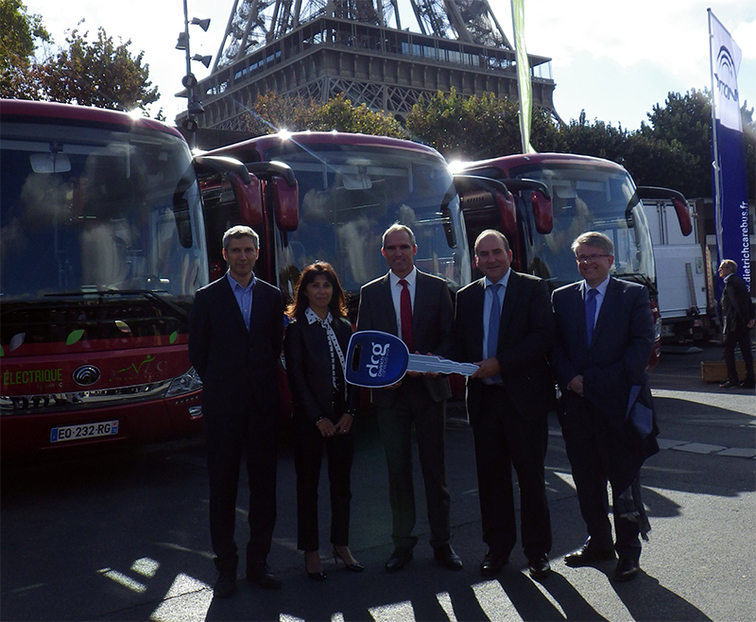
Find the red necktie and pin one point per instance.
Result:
(405, 312)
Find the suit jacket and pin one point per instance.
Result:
(432, 319)
(238, 368)
(526, 336)
(736, 305)
(308, 366)
(615, 361)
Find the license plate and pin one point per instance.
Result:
(84, 431)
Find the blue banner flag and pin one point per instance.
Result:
(729, 168)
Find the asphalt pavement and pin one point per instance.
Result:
(124, 535)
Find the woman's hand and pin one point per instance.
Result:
(344, 424)
(326, 428)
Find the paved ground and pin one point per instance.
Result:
(124, 536)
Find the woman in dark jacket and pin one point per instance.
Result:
(315, 346)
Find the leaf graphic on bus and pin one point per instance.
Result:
(173, 337)
(16, 341)
(74, 336)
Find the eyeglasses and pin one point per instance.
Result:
(588, 258)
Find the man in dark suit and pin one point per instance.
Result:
(416, 307)
(737, 324)
(504, 322)
(605, 335)
(235, 338)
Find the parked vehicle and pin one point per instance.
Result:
(103, 248)
(543, 201)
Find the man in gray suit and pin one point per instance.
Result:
(605, 335)
(235, 338)
(417, 307)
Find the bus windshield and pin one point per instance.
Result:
(584, 199)
(350, 194)
(92, 209)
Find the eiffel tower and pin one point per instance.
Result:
(370, 50)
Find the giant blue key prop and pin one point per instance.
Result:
(376, 359)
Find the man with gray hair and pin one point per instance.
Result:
(605, 335)
(235, 339)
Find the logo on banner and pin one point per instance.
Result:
(726, 76)
(725, 64)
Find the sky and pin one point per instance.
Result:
(615, 65)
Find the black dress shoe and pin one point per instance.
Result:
(225, 584)
(587, 555)
(315, 576)
(354, 567)
(627, 569)
(729, 384)
(492, 563)
(262, 575)
(748, 384)
(539, 567)
(399, 559)
(446, 556)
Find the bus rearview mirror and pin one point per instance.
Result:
(543, 213)
(249, 199)
(285, 203)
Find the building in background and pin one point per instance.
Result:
(386, 54)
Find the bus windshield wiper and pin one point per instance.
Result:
(147, 293)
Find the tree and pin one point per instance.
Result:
(469, 128)
(18, 31)
(684, 124)
(99, 73)
(273, 112)
(338, 113)
(596, 139)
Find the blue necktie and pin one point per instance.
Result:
(493, 325)
(590, 313)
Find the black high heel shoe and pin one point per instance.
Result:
(355, 567)
(315, 576)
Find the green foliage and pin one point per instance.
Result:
(273, 112)
(339, 114)
(673, 149)
(597, 139)
(683, 124)
(18, 31)
(470, 128)
(98, 73)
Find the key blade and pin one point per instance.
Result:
(434, 364)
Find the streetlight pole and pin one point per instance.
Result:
(194, 106)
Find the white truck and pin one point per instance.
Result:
(680, 274)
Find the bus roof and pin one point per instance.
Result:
(259, 144)
(519, 159)
(87, 114)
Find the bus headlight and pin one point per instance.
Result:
(185, 383)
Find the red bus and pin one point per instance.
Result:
(102, 249)
(543, 201)
(352, 187)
